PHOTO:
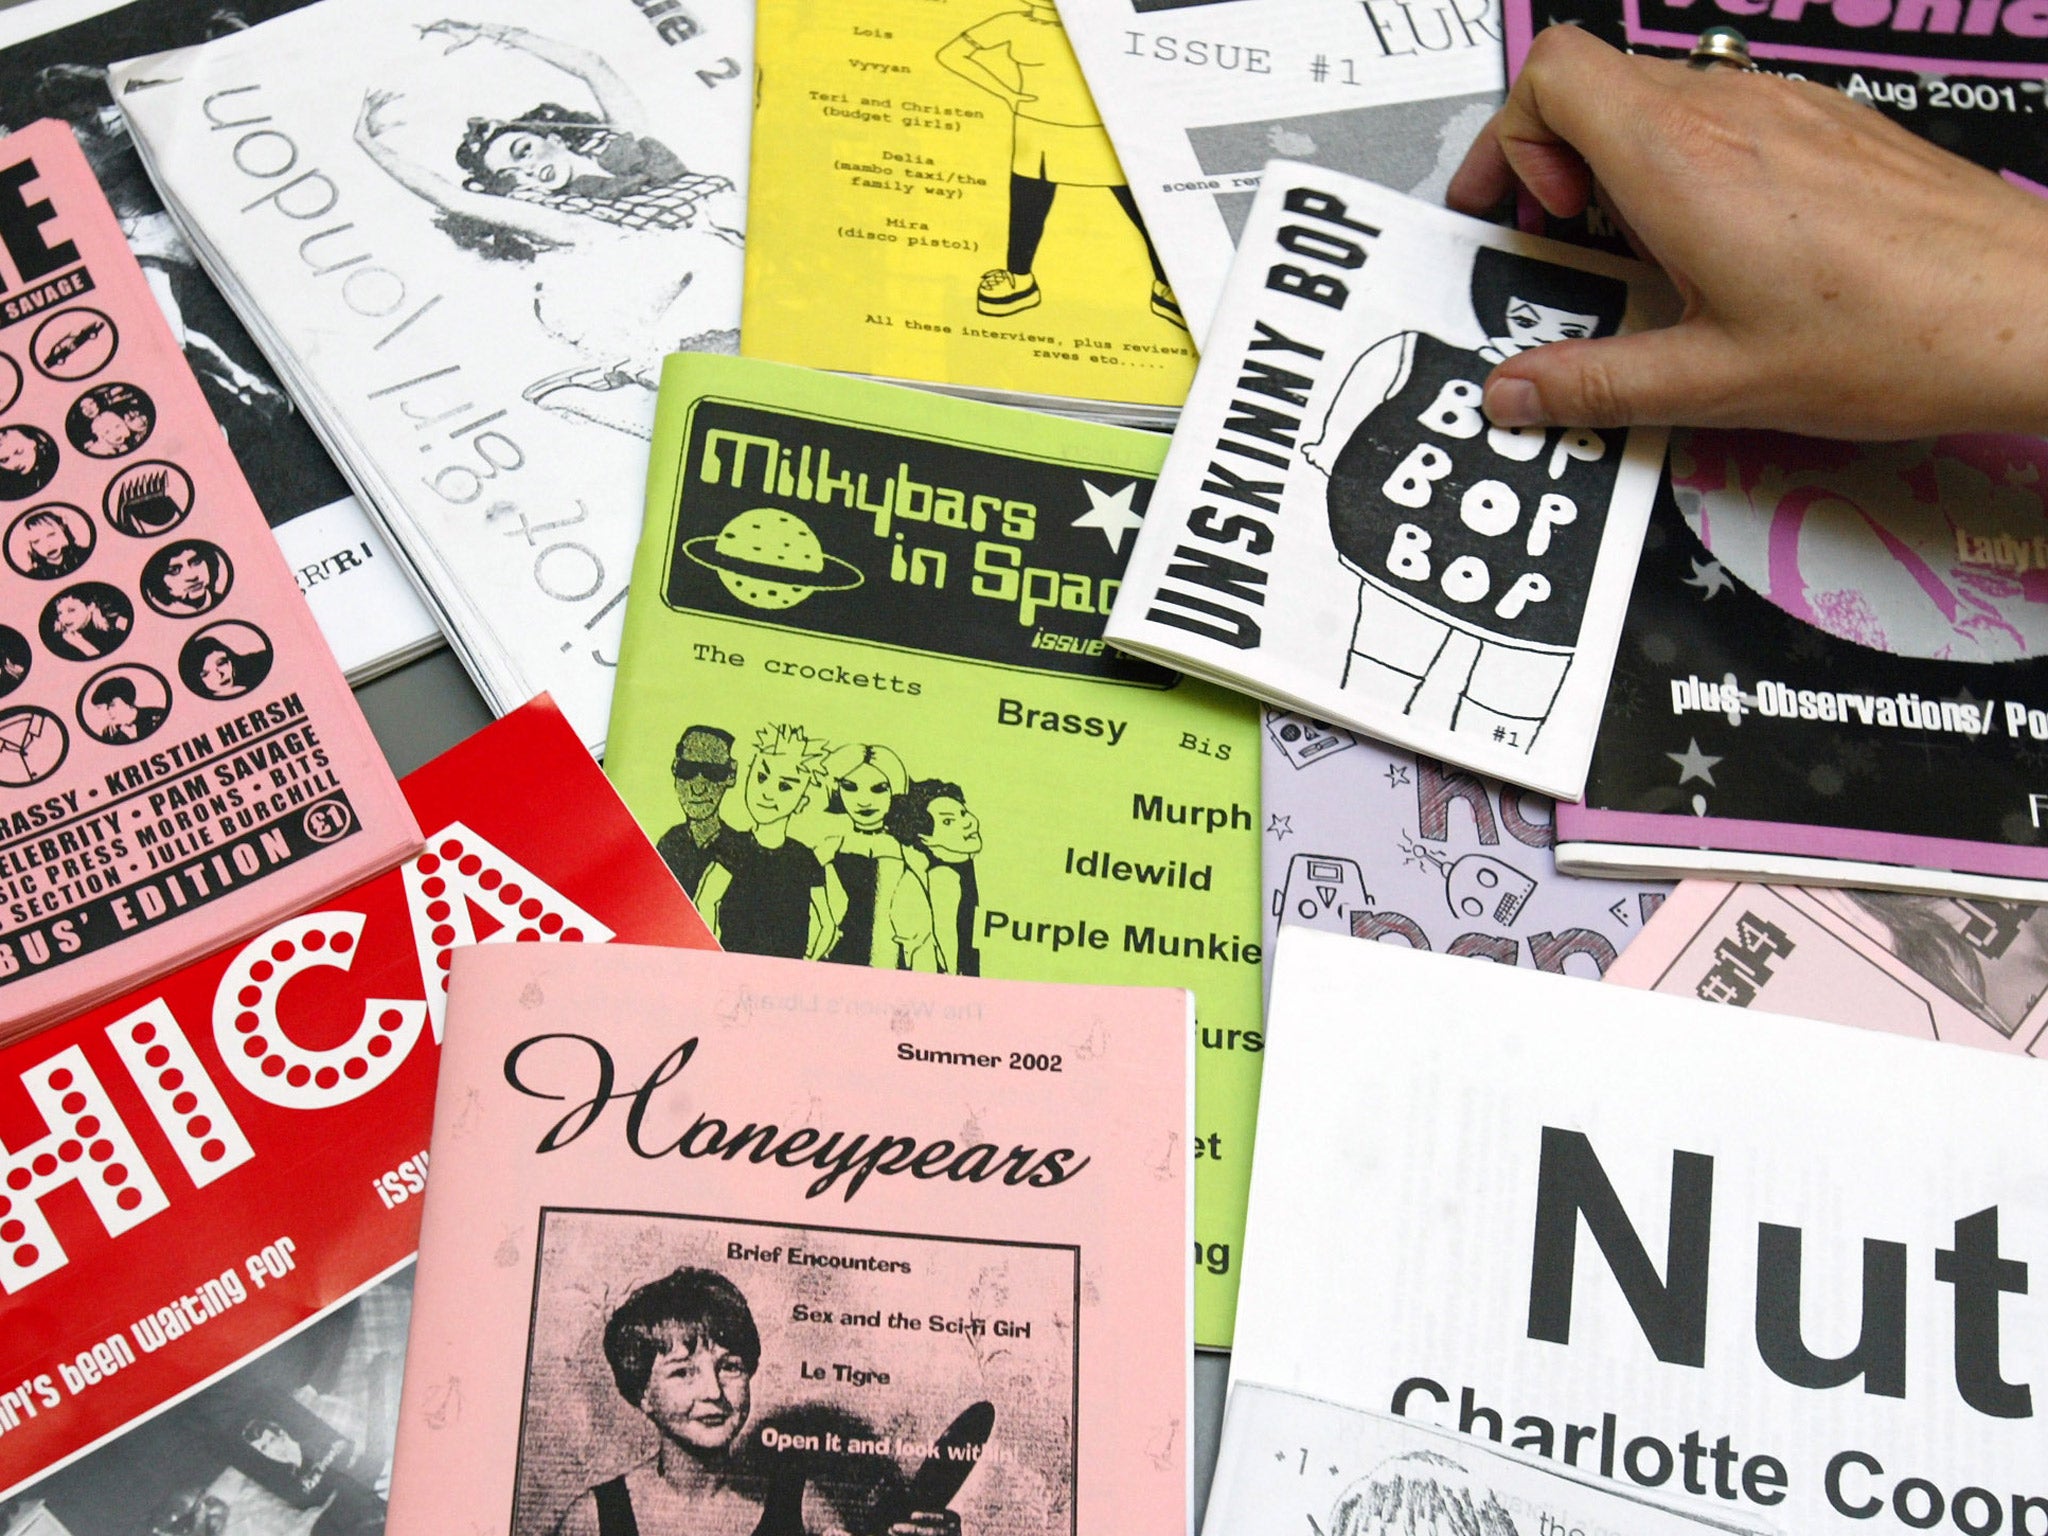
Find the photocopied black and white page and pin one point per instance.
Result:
(466, 239)
(53, 60)
(1341, 530)
(1784, 1272)
(1292, 1465)
(1198, 97)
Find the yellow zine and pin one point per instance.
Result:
(934, 199)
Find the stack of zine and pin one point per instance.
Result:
(465, 245)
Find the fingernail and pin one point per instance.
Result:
(1513, 403)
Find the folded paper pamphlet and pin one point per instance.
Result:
(1379, 843)
(465, 243)
(180, 760)
(1771, 1268)
(1969, 970)
(865, 708)
(1338, 527)
(1290, 1462)
(53, 59)
(940, 204)
(1198, 99)
(868, 1248)
(213, 1184)
(1825, 640)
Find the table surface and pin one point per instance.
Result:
(427, 706)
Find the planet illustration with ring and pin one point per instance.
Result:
(768, 559)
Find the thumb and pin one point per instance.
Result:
(1688, 374)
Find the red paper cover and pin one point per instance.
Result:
(306, 1123)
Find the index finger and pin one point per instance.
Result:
(1566, 109)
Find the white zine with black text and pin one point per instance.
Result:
(1788, 1271)
(1340, 528)
(466, 240)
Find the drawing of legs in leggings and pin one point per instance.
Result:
(1023, 58)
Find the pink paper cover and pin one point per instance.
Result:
(180, 760)
(1022, 1241)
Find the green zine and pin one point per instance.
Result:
(865, 710)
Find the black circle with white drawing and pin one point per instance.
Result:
(49, 542)
(16, 657)
(74, 344)
(148, 499)
(224, 661)
(87, 621)
(10, 382)
(124, 705)
(33, 745)
(28, 461)
(187, 577)
(110, 421)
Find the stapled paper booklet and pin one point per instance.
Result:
(1775, 1269)
(53, 60)
(1379, 843)
(730, 1242)
(466, 240)
(1832, 671)
(941, 205)
(1289, 1463)
(210, 1189)
(866, 711)
(1964, 969)
(1338, 528)
(180, 760)
(1199, 98)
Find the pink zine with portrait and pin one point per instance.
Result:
(721, 1243)
(180, 760)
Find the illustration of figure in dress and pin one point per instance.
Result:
(703, 772)
(1023, 59)
(1474, 544)
(651, 248)
(884, 916)
(941, 838)
(764, 892)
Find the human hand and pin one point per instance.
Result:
(928, 1522)
(1841, 276)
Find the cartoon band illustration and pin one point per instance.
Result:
(826, 852)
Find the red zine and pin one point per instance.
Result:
(191, 1172)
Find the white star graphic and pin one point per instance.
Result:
(1711, 577)
(1694, 764)
(1112, 514)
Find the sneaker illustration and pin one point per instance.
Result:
(1007, 293)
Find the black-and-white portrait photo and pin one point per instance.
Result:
(49, 542)
(110, 420)
(74, 344)
(295, 1442)
(187, 578)
(124, 704)
(87, 621)
(684, 1379)
(28, 461)
(224, 661)
(147, 499)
